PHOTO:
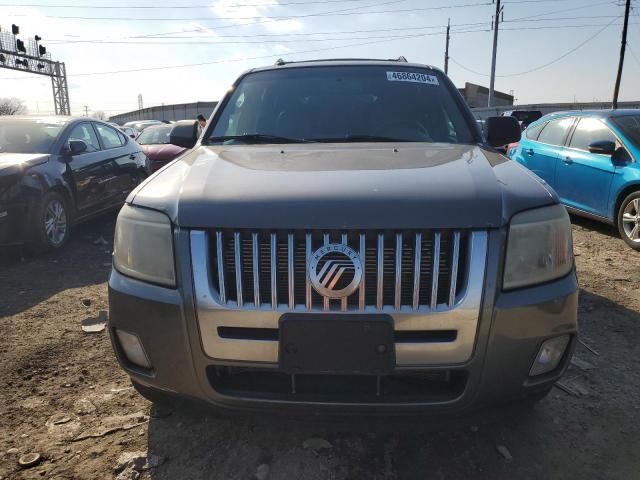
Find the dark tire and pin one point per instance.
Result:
(51, 223)
(629, 220)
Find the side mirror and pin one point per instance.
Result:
(76, 147)
(184, 134)
(603, 147)
(500, 131)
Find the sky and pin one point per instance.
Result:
(177, 52)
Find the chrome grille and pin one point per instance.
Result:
(402, 270)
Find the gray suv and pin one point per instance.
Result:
(341, 237)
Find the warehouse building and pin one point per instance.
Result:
(180, 111)
(478, 96)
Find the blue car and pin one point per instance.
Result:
(592, 160)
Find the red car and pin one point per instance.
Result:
(154, 142)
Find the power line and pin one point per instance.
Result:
(175, 7)
(206, 6)
(633, 53)
(540, 67)
(387, 37)
(582, 7)
(215, 62)
(382, 40)
(201, 39)
(273, 18)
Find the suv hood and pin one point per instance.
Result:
(340, 186)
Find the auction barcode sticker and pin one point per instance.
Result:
(412, 77)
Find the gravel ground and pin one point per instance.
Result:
(62, 395)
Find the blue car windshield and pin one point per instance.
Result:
(629, 125)
(366, 103)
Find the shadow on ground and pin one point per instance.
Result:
(600, 227)
(28, 279)
(591, 433)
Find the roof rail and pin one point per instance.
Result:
(401, 58)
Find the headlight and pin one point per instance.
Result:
(143, 246)
(539, 247)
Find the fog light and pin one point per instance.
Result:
(549, 355)
(132, 348)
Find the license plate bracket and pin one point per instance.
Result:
(336, 344)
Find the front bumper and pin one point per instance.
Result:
(511, 328)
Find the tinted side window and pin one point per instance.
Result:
(555, 131)
(109, 136)
(85, 132)
(532, 132)
(590, 130)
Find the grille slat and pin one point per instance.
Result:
(436, 271)
(402, 270)
(416, 271)
(454, 268)
(274, 271)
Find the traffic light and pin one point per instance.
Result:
(15, 29)
(38, 38)
(42, 50)
(2, 58)
(20, 46)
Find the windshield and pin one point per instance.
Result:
(28, 135)
(629, 125)
(154, 136)
(338, 103)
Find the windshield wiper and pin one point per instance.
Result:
(359, 138)
(257, 138)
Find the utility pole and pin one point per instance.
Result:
(496, 23)
(623, 47)
(86, 110)
(446, 50)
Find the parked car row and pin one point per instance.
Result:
(592, 160)
(57, 171)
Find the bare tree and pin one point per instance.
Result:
(99, 115)
(12, 106)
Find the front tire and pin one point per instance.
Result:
(51, 228)
(629, 220)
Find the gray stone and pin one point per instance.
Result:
(128, 474)
(95, 324)
(316, 444)
(262, 473)
(138, 461)
(100, 241)
(502, 450)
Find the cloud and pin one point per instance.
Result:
(266, 15)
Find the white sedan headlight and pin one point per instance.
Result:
(143, 246)
(539, 247)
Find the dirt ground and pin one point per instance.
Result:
(63, 396)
